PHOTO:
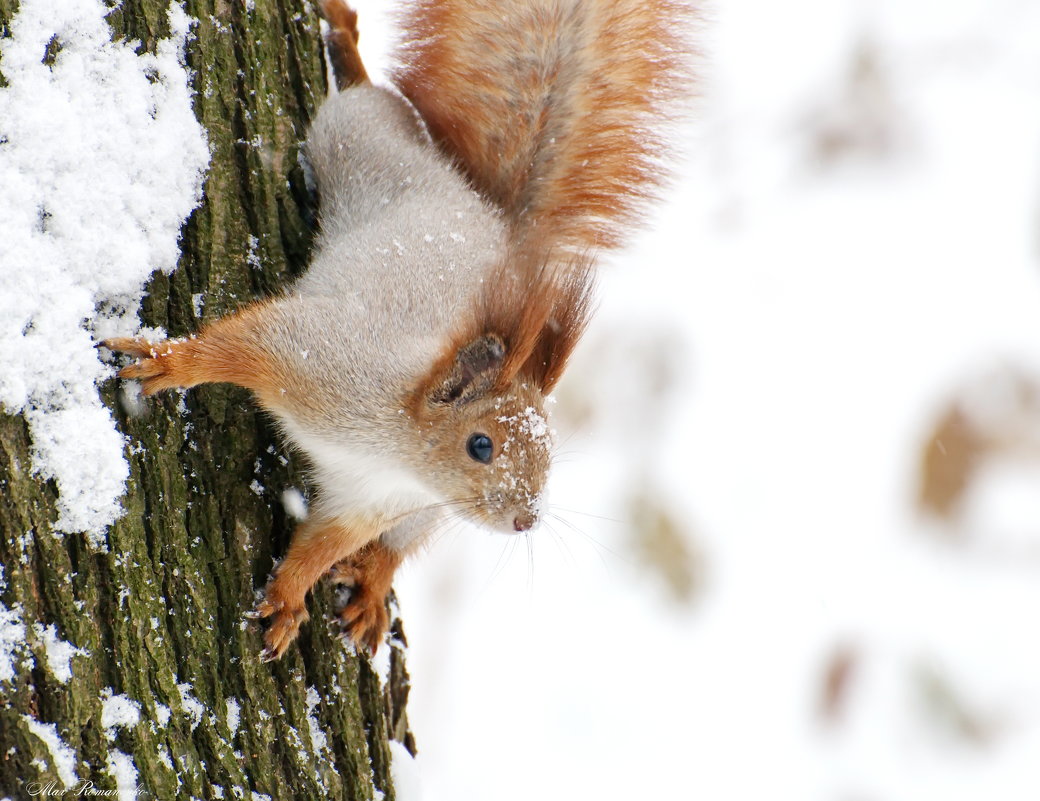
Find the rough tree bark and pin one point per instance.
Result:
(159, 617)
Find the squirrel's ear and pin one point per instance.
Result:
(471, 372)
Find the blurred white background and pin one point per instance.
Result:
(797, 552)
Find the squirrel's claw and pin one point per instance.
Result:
(157, 369)
(364, 620)
(267, 655)
(285, 625)
(263, 609)
(134, 346)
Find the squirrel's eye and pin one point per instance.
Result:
(479, 447)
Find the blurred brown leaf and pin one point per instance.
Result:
(948, 461)
(996, 416)
(836, 683)
(662, 542)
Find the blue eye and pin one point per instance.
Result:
(479, 447)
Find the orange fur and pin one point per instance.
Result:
(370, 572)
(563, 327)
(540, 311)
(224, 351)
(316, 546)
(554, 108)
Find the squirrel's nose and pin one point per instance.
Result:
(524, 522)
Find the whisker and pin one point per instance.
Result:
(438, 505)
(500, 565)
(530, 565)
(587, 514)
(561, 544)
(565, 441)
(599, 546)
(448, 525)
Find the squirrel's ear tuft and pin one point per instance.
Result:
(563, 327)
(522, 327)
(469, 374)
(550, 302)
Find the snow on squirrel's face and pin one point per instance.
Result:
(489, 458)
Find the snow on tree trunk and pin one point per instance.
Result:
(133, 666)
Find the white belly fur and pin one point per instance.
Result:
(355, 483)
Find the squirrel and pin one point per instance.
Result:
(460, 214)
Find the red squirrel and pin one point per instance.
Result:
(459, 218)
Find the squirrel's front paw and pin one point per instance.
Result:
(158, 367)
(285, 625)
(363, 620)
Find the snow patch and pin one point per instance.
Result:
(102, 162)
(59, 652)
(191, 705)
(404, 771)
(121, 767)
(380, 662)
(234, 715)
(118, 711)
(12, 638)
(295, 504)
(131, 400)
(162, 714)
(64, 758)
(529, 425)
(319, 742)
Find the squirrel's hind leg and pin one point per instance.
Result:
(342, 42)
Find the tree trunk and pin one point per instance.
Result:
(159, 617)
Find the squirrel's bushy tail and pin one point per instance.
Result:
(554, 108)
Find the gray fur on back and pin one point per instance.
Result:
(404, 244)
(400, 229)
